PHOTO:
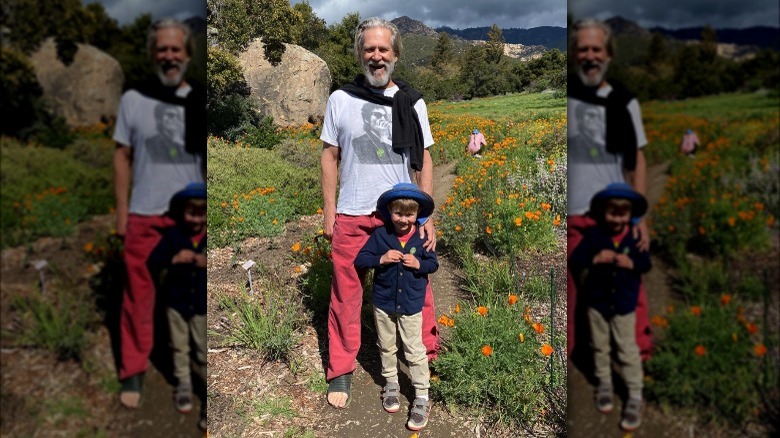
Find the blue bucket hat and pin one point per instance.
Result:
(410, 191)
(476, 131)
(619, 191)
(191, 191)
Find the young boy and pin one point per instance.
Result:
(401, 273)
(182, 251)
(609, 267)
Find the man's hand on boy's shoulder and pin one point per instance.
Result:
(429, 231)
(642, 236)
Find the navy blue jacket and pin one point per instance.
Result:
(606, 287)
(184, 285)
(397, 289)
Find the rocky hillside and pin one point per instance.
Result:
(408, 25)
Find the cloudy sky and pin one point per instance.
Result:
(458, 14)
(675, 14)
(125, 11)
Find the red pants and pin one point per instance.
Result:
(137, 318)
(346, 297)
(577, 324)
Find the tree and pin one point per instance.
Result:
(709, 44)
(338, 51)
(238, 22)
(311, 30)
(443, 53)
(495, 44)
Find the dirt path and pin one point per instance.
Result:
(241, 385)
(43, 396)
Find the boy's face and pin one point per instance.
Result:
(194, 216)
(617, 217)
(402, 221)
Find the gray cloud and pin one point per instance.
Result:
(125, 11)
(675, 14)
(459, 14)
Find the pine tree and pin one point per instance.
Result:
(495, 44)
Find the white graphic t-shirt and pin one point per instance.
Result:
(369, 165)
(161, 165)
(590, 166)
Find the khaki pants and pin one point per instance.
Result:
(181, 330)
(410, 329)
(622, 329)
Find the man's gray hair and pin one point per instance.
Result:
(370, 23)
(585, 23)
(163, 23)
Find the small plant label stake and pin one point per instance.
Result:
(39, 265)
(247, 267)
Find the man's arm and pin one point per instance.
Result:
(329, 178)
(122, 170)
(425, 183)
(638, 180)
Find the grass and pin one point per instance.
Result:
(714, 357)
(498, 107)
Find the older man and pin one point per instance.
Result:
(606, 137)
(156, 135)
(375, 135)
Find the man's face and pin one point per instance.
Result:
(592, 57)
(617, 217)
(402, 222)
(378, 57)
(170, 56)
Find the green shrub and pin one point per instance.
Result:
(707, 358)
(59, 323)
(268, 322)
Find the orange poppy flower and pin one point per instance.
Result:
(457, 308)
(512, 299)
(522, 337)
(482, 310)
(700, 350)
(696, 310)
(546, 349)
(760, 350)
(725, 299)
(752, 328)
(487, 350)
(538, 327)
(296, 247)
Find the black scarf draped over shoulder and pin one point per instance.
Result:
(195, 128)
(621, 136)
(407, 131)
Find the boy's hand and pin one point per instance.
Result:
(605, 256)
(391, 256)
(410, 261)
(184, 256)
(624, 261)
(200, 260)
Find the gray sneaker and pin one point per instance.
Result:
(418, 417)
(632, 415)
(182, 397)
(604, 403)
(390, 397)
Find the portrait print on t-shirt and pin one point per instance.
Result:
(376, 145)
(168, 145)
(588, 145)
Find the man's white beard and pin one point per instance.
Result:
(174, 81)
(593, 81)
(381, 81)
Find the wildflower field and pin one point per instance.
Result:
(716, 226)
(503, 342)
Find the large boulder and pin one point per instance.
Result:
(295, 91)
(85, 92)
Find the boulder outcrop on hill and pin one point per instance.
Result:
(85, 92)
(295, 91)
